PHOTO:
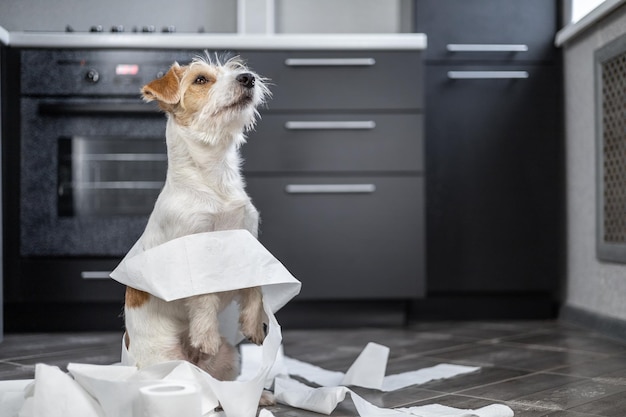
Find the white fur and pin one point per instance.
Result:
(204, 191)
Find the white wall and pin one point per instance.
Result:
(338, 16)
(594, 286)
(292, 16)
(186, 15)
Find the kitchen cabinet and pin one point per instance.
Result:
(488, 30)
(335, 168)
(494, 148)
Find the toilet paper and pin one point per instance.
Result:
(170, 400)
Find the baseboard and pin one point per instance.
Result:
(62, 317)
(342, 314)
(608, 326)
(485, 306)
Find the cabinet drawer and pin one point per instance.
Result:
(488, 29)
(341, 80)
(70, 280)
(338, 143)
(345, 238)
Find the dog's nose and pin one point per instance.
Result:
(246, 79)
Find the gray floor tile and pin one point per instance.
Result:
(399, 398)
(613, 365)
(487, 375)
(517, 357)
(572, 340)
(569, 396)
(465, 402)
(34, 345)
(476, 330)
(611, 406)
(9, 371)
(519, 387)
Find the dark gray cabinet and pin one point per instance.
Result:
(494, 150)
(345, 238)
(335, 168)
(489, 30)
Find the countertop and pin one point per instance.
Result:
(572, 30)
(387, 41)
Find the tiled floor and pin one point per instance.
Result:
(536, 368)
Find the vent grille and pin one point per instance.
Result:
(614, 149)
(610, 75)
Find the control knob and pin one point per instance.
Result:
(92, 76)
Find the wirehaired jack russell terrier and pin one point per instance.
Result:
(209, 106)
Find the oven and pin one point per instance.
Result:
(86, 161)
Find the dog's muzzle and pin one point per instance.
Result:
(246, 79)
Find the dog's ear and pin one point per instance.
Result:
(165, 89)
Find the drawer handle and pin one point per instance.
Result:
(330, 188)
(466, 47)
(487, 75)
(121, 185)
(330, 62)
(329, 125)
(95, 274)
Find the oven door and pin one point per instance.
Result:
(90, 173)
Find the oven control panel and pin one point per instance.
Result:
(97, 72)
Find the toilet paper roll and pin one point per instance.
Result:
(170, 400)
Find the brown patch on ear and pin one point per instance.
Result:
(135, 298)
(165, 89)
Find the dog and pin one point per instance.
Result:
(210, 106)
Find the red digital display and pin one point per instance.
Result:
(126, 69)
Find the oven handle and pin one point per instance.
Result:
(95, 274)
(60, 108)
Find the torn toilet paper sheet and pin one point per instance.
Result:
(394, 382)
(367, 371)
(206, 263)
(325, 399)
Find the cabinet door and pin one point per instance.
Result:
(361, 239)
(488, 23)
(494, 180)
(340, 80)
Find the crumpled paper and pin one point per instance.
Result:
(197, 264)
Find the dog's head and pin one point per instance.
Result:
(210, 99)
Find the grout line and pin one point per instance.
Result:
(53, 353)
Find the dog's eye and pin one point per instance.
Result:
(201, 79)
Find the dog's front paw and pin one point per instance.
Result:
(254, 331)
(208, 343)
